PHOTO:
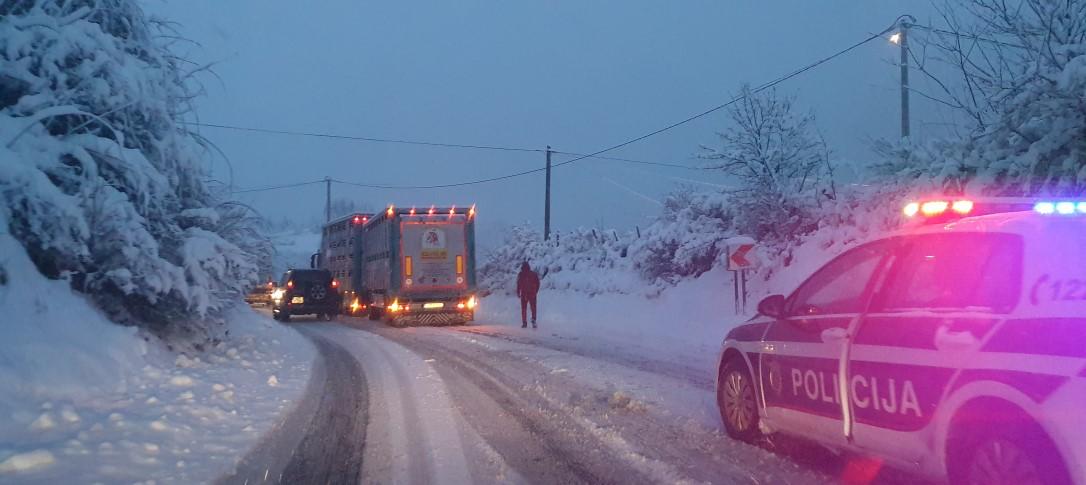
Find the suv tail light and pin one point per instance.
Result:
(335, 283)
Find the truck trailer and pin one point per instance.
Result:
(405, 265)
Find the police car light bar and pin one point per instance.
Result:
(1060, 207)
(933, 208)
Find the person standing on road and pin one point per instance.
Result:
(527, 289)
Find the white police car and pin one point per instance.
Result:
(955, 350)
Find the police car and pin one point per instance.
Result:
(956, 350)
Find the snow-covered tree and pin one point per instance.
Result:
(780, 162)
(687, 238)
(1021, 78)
(98, 179)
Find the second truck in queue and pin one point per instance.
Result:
(404, 265)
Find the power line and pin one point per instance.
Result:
(967, 36)
(362, 138)
(577, 158)
(629, 160)
(277, 187)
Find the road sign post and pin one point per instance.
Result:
(741, 257)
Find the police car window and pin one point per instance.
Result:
(957, 271)
(839, 286)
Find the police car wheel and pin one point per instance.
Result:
(735, 398)
(1010, 454)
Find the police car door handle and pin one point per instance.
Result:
(834, 334)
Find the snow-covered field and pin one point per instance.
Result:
(86, 400)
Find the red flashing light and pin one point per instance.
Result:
(934, 207)
(962, 206)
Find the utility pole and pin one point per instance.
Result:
(547, 200)
(903, 41)
(327, 199)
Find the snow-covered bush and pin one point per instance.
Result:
(584, 260)
(98, 180)
(687, 238)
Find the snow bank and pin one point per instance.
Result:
(83, 397)
(691, 317)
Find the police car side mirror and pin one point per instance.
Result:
(772, 306)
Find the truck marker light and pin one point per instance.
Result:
(911, 209)
(407, 266)
(1065, 207)
(1044, 208)
(962, 206)
(412, 211)
(391, 209)
(459, 264)
(357, 219)
(471, 212)
(431, 212)
(452, 210)
(934, 207)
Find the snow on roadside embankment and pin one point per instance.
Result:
(83, 397)
(690, 318)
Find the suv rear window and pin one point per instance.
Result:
(959, 271)
(310, 276)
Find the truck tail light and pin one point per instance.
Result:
(395, 307)
(407, 265)
(472, 303)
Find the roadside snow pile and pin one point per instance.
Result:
(689, 318)
(83, 397)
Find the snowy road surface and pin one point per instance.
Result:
(500, 404)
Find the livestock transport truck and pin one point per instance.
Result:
(405, 265)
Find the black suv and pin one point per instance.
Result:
(306, 292)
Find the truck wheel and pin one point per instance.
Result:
(1011, 452)
(735, 398)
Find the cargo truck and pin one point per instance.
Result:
(405, 265)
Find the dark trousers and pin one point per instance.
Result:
(524, 302)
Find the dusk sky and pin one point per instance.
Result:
(578, 76)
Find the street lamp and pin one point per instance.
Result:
(901, 38)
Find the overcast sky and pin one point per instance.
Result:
(577, 75)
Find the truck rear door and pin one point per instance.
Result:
(434, 254)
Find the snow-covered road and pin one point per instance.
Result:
(500, 404)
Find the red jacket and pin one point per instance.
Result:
(527, 284)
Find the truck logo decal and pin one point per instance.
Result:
(433, 244)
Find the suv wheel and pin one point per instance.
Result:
(1007, 453)
(735, 398)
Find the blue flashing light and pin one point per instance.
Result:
(1065, 208)
(1044, 208)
